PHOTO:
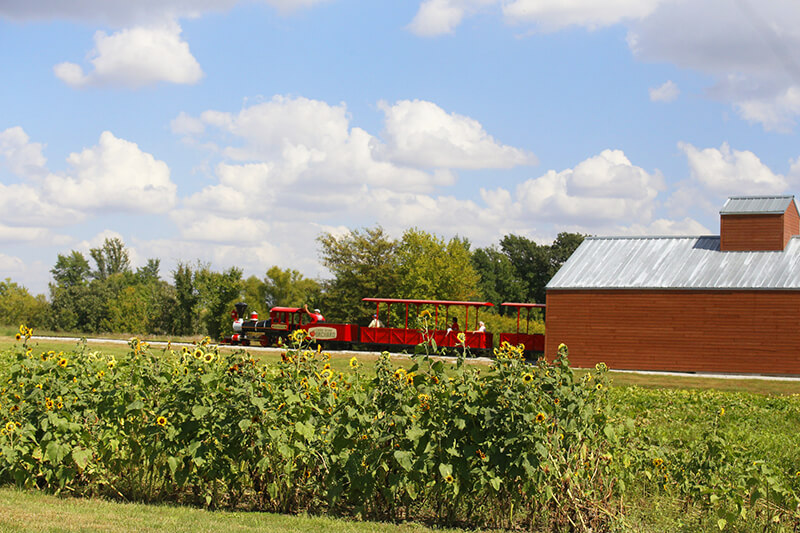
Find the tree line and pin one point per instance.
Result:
(105, 295)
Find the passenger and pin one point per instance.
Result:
(375, 322)
(481, 327)
(315, 317)
(453, 326)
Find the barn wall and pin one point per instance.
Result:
(752, 232)
(791, 224)
(714, 331)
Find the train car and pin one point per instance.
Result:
(405, 334)
(533, 342)
(401, 336)
(283, 321)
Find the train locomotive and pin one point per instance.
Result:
(274, 331)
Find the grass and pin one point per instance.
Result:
(24, 511)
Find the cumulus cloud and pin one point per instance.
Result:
(668, 92)
(22, 157)
(437, 17)
(748, 48)
(728, 172)
(422, 134)
(114, 175)
(135, 57)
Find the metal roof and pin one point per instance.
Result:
(676, 263)
(751, 205)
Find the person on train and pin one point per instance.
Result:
(375, 322)
(481, 327)
(315, 316)
(453, 326)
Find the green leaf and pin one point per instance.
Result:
(81, 456)
(404, 459)
(415, 433)
(135, 405)
(721, 523)
(199, 411)
(495, 481)
(445, 469)
(245, 423)
(172, 462)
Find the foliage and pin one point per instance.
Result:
(362, 263)
(535, 264)
(216, 294)
(111, 258)
(288, 288)
(498, 281)
(18, 305)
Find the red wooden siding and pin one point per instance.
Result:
(691, 331)
(751, 232)
(791, 223)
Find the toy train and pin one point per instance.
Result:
(249, 330)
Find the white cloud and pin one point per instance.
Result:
(748, 48)
(136, 57)
(726, 172)
(437, 17)
(114, 175)
(663, 226)
(551, 15)
(126, 12)
(667, 92)
(184, 124)
(422, 134)
(22, 157)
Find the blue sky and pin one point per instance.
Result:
(236, 132)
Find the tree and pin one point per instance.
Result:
(430, 268)
(186, 299)
(288, 288)
(498, 281)
(71, 270)
(536, 264)
(18, 306)
(111, 258)
(363, 263)
(216, 294)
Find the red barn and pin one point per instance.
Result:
(727, 303)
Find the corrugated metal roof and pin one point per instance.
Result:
(766, 205)
(676, 263)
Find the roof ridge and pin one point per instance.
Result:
(642, 237)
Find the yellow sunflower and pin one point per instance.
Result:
(161, 421)
(353, 362)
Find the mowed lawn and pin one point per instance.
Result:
(22, 511)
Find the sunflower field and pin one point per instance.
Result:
(511, 445)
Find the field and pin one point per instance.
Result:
(552, 448)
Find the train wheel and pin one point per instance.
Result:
(246, 342)
(264, 340)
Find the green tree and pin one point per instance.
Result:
(18, 306)
(217, 293)
(186, 299)
(536, 264)
(71, 270)
(498, 280)
(111, 258)
(430, 268)
(288, 288)
(363, 263)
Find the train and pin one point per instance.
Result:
(404, 336)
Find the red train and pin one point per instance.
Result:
(379, 336)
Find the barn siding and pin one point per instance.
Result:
(677, 330)
(791, 223)
(752, 232)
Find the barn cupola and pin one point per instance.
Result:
(758, 223)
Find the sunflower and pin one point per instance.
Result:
(399, 373)
(541, 417)
(17, 336)
(208, 357)
(111, 363)
(449, 478)
(48, 403)
(198, 353)
(527, 378)
(353, 362)
(425, 313)
(462, 338)
(11, 426)
(101, 374)
(63, 362)
(161, 421)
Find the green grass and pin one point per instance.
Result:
(37, 512)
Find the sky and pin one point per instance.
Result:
(236, 132)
